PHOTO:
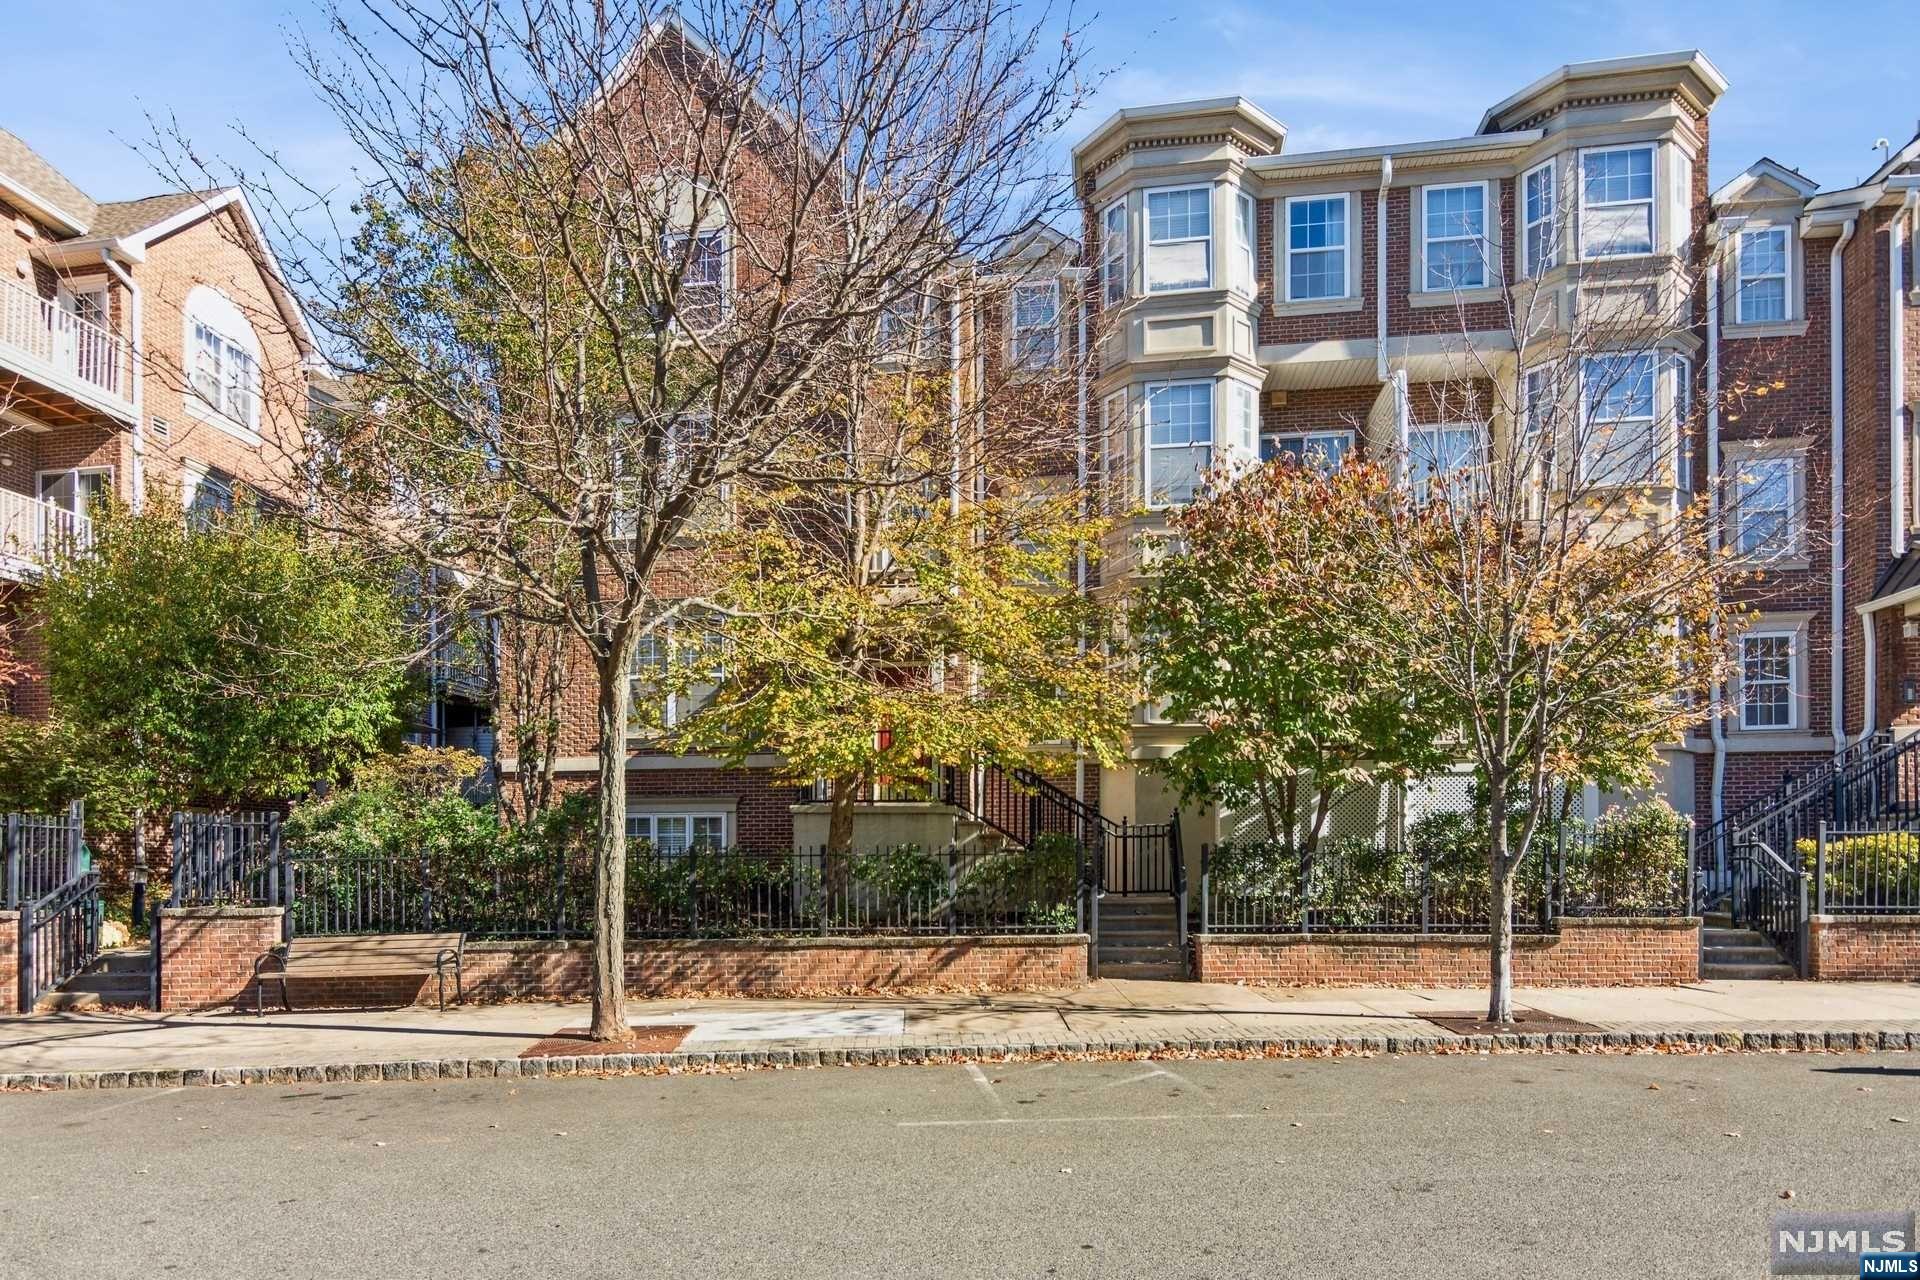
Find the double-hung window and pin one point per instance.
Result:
(1113, 254)
(1179, 441)
(1618, 431)
(1765, 490)
(1454, 245)
(1445, 458)
(1541, 205)
(1763, 275)
(1766, 680)
(1324, 450)
(1244, 235)
(1616, 202)
(1681, 369)
(677, 670)
(704, 295)
(1036, 324)
(1316, 248)
(226, 375)
(1179, 239)
(674, 834)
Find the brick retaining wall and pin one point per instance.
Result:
(207, 953)
(1584, 953)
(1864, 948)
(9, 962)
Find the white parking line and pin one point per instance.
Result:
(980, 1078)
(961, 1124)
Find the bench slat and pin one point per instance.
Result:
(369, 955)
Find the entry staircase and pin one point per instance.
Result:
(1133, 875)
(1750, 881)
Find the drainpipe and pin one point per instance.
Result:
(1380, 269)
(1084, 361)
(1896, 377)
(1716, 728)
(1871, 674)
(137, 468)
(1836, 482)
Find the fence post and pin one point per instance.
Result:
(1805, 930)
(1206, 888)
(1820, 871)
(12, 852)
(1426, 890)
(27, 993)
(953, 888)
(426, 897)
(179, 842)
(75, 844)
(693, 884)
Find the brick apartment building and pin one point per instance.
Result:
(142, 349)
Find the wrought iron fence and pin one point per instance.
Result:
(1358, 887)
(699, 893)
(59, 936)
(41, 852)
(1863, 870)
(224, 858)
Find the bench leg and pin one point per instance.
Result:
(442, 975)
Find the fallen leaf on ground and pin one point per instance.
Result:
(1786, 1195)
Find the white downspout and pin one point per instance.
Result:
(137, 468)
(1380, 269)
(1896, 378)
(1716, 728)
(1836, 482)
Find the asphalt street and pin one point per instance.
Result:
(1536, 1166)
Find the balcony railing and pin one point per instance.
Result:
(76, 351)
(34, 532)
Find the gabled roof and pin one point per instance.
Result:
(1762, 173)
(1034, 241)
(120, 219)
(25, 173)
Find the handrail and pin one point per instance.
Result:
(74, 347)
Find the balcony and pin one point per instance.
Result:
(57, 366)
(33, 533)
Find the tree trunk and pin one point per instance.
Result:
(610, 853)
(841, 794)
(1500, 906)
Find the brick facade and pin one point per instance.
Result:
(9, 962)
(207, 954)
(1864, 948)
(1584, 953)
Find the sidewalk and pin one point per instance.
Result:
(118, 1050)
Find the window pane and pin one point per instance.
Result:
(1179, 441)
(1455, 264)
(1766, 682)
(1325, 450)
(1178, 266)
(1619, 175)
(1180, 215)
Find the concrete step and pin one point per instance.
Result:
(1744, 954)
(124, 960)
(1137, 908)
(98, 991)
(1732, 937)
(1133, 926)
(1145, 952)
(1777, 971)
(1145, 972)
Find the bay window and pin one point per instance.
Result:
(1618, 431)
(1036, 324)
(1113, 254)
(1243, 429)
(1616, 201)
(1179, 441)
(1454, 236)
(1179, 239)
(1763, 276)
(1317, 248)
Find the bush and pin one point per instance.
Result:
(1872, 868)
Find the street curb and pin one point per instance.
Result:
(1716, 1040)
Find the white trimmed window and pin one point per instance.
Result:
(1036, 324)
(1244, 237)
(1763, 276)
(676, 833)
(1445, 457)
(677, 670)
(1179, 441)
(1243, 428)
(1113, 254)
(1768, 677)
(1681, 370)
(1326, 450)
(1540, 200)
(225, 373)
(1317, 248)
(1618, 432)
(1454, 236)
(1766, 501)
(705, 293)
(1616, 201)
(1179, 239)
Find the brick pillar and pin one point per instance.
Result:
(207, 953)
(9, 962)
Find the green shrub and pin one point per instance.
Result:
(1878, 866)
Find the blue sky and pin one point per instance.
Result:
(1812, 86)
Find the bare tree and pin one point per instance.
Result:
(602, 260)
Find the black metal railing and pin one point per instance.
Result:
(59, 936)
(39, 852)
(223, 858)
(698, 892)
(1864, 870)
(1769, 895)
(1355, 887)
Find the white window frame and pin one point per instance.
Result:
(225, 375)
(1681, 391)
(1533, 266)
(1113, 255)
(1243, 423)
(672, 247)
(1791, 511)
(1246, 239)
(1743, 278)
(1345, 249)
(1792, 637)
(1471, 472)
(1151, 244)
(649, 816)
(1211, 444)
(1483, 240)
(1017, 332)
(676, 705)
(1307, 440)
(80, 498)
(1651, 201)
(1588, 424)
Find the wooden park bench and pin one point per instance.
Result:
(389, 955)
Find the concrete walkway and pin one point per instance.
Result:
(74, 1050)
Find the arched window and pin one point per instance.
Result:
(222, 361)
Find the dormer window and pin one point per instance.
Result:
(1179, 239)
(1036, 324)
(1763, 295)
(1616, 202)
